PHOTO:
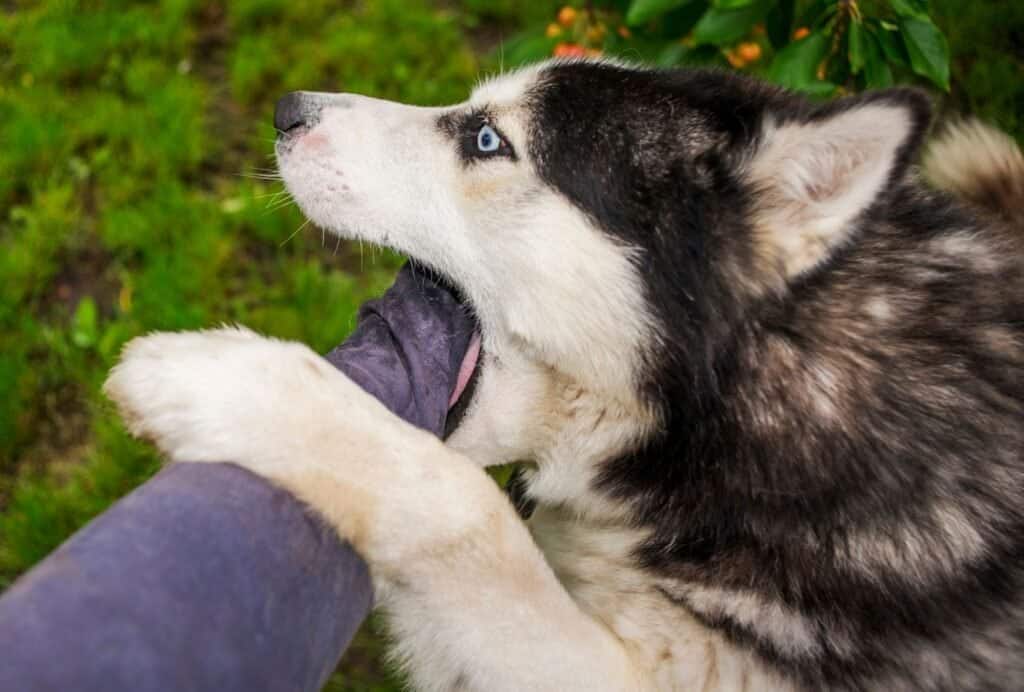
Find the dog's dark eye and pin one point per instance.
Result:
(487, 140)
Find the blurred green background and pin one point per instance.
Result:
(136, 194)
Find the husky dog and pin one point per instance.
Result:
(771, 386)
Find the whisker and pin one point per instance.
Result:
(294, 233)
(264, 195)
(278, 205)
(279, 195)
(261, 176)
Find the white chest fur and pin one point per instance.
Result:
(594, 563)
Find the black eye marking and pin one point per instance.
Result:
(476, 137)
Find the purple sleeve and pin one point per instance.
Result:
(207, 578)
(408, 347)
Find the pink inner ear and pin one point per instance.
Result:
(469, 362)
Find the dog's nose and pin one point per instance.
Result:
(296, 109)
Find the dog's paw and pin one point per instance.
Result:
(283, 412)
(220, 395)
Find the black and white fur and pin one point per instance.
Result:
(770, 385)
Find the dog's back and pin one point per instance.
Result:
(848, 502)
(909, 368)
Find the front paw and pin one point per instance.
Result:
(281, 411)
(220, 395)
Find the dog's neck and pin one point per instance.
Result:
(588, 428)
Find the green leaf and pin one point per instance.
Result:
(722, 27)
(911, 8)
(84, 329)
(644, 10)
(928, 50)
(796, 65)
(877, 72)
(892, 46)
(732, 4)
(858, 49)
(815, 14)
(779, 23)
(704, 56)
(672, 54)
(820, 89)
(680, 22)
(526, 48)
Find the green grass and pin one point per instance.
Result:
(128, 131)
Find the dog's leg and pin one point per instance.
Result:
(472, 602)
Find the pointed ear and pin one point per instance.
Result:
(815, 175)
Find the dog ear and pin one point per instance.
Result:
(815, 175)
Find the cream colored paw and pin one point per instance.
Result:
(219, 395)
(283, 412)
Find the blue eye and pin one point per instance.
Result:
(487, 140)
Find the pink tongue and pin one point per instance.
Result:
(466, 369)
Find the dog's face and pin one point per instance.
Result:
(610, 226)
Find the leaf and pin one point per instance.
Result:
(928, 50)
(820, 89)
(796, 65)
(892, 46)
(721, 27)
(877, 72)
(672, 54)
(779, 23)
(680, 22)
(911, 8)
(641, 11)
(526, 48)
(732, 4)
(858, 49)
(815, 14)
(704, 56)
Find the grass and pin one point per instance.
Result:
(136, 139)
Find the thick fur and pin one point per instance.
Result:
(771, 387)
(980, 165)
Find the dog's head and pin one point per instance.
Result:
(609, 225)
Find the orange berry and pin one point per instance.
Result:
(802, 32)
(735, 60)
(624, 32)
(569, 50)
(749, 52)
(552, 30)
(567, 15)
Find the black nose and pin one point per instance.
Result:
(296, 109)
